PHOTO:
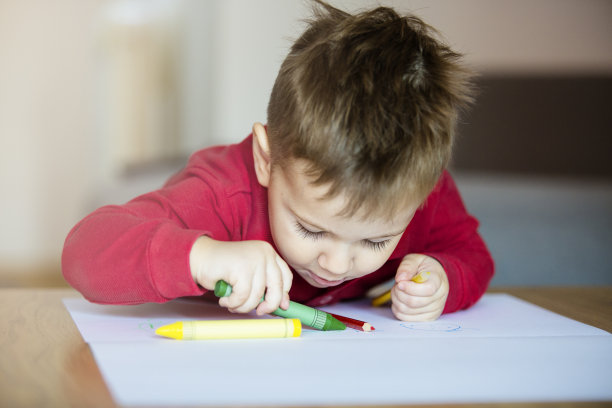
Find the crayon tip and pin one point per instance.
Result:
(421, 277)
(173, 331)
(331, 323)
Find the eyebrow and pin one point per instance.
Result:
(305, 221)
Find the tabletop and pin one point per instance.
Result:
(44, 361)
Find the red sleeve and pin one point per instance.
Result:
(454, 241)
(139, 252)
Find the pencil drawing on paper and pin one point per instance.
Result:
(436, 326)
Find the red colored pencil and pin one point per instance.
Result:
(354, 323)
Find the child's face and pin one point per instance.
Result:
(324, 248)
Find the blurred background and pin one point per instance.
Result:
(103, 100)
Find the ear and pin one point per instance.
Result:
(261, 154)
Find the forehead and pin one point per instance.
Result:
(309, 202)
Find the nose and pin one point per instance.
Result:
(337, 260)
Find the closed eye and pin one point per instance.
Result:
(306, 233)
(316, 235)
(376, 245)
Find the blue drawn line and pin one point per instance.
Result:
(433, 326)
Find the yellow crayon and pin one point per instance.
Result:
(421, 277)
(386, 297)
(231, 329)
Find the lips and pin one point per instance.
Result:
(324, 282)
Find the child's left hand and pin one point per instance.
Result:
(419, 301)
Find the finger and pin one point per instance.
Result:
(418, 317)
(238, 295)
(418, 308)
(399, 297)
(409, 267)
(408, 301)
(279, 285)
(274, 290)
(258, 290)
(250, 294)
(414, 306)
(287, 281)
(425, 289)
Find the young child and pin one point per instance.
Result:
(345, 188)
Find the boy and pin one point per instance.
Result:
(343, 189)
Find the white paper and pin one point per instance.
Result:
(501, 349)
(495, 315)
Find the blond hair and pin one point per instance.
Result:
(371, 102)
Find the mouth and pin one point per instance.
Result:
(324, 282)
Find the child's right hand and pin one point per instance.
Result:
(252, 268)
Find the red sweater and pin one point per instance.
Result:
(139, 252)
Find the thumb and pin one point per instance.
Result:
(409, 267)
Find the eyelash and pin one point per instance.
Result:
(315, 236)
(376, 245)
(307, 233)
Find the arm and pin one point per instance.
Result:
(460, 263)
(457, 245)
(139, 252)
(160, 246)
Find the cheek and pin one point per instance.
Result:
(294, 249)
(369, 261)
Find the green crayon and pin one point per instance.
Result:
(317, 319)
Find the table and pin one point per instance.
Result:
(44, 362)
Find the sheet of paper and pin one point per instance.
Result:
(502, 349)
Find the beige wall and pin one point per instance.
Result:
(46, 125)
(557, 36)
(54, 153)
